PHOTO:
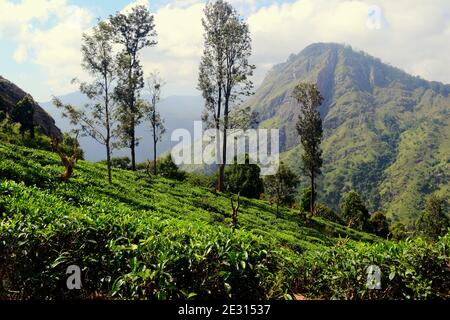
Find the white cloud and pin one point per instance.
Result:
(48, 34)
(180, 41)
(133, 4)
(413, 36)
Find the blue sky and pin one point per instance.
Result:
(40, 39)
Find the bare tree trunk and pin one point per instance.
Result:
(218, 156)
(234, 217)
(133, 147)
(132, 111)
(108, 161)
(313, 194)
(108, 131)
(278, 210)
(224, 150)
(154, 151)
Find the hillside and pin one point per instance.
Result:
(150, 238)
(10, 95)
(386, 133)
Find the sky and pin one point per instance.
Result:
(40, 40)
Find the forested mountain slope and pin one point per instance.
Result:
(386, 133)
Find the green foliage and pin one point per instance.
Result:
(68, 145)
(411, 269)
(305, 200)
(23, 114)
(327, 213)
(433, 223)
(201, 180)
(309, 128)
(354, 211)
(168, 169)
(398, 231)
(123, 163)
(10, 133)
(379, 224)
(244, 179)
(281, 188)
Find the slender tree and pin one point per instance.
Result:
(96, 120)
(24, 115)
(379, 224)
(154, 85)
(309, 127)
(224, 70)
(134, 31)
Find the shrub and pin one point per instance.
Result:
(123, 163)
(168, 169)
(305, 200)
(398, 231)
(244, 179)
(327, 213)
(379, 224)
(433, 222)
(281, 187)
(411, 269)
(200, 180)
(354, 211)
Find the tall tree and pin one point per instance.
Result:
(281, 187)
(23, 114)
(433, 222)
(309, 127)
(96, 120)
(154, 85)
(134, 31)
(224, 70)
(212, 67)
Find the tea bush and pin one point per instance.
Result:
(154, 238)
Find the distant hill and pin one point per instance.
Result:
(386, 133)
(10, 95)
(178, 112)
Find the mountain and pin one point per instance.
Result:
(177, 111)
(386, 133)
(10, 95)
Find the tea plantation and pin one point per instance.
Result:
(151, 238)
